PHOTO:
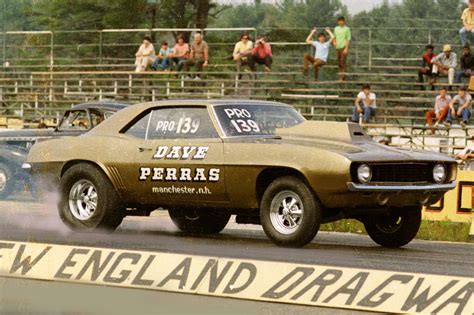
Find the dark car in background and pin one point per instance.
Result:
(16, 143)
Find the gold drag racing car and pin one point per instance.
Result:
(205, 160)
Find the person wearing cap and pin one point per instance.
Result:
(467, 18)
(427, 65)
(467, 64)
(445, 63)
(460, 107)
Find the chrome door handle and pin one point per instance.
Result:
(141, 149)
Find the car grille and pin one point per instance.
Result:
(402, 173)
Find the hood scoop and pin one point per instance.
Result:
(325, 130)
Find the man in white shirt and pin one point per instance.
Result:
(467, 157)
(243, 52)
(466, 153)
(322, 52)
(368, 108)
(460, 107)
(145, 56)
(445, 64)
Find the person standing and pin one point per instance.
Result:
(467, 18)
(199, 55)
(427, 66)
(262, 53)
(467, 64)
(369, 106)
(242, 54)
(460, 107)
(322, 51)
(180, 52)
(145, 56)
(342, 41)
(440, 110)
(445, 64)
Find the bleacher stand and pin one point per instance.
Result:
(43, 89)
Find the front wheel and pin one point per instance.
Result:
(396, 229)
(289, 212)
(199, 221)
(88, 201)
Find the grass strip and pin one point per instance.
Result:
(429, 230)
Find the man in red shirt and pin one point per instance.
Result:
(262, 53)
(427, 66)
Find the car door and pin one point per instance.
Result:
(180, 160)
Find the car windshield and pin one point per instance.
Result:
(256, 120)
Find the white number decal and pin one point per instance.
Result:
(188, 125)
(245, 125)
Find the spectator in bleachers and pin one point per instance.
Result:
(242, 54)
(467, 64)
(460, 107)
(467, 153)
(199, 55)
(162, 59)
(368, 108)
(262, 53)
(468, 22)
(342, 41)
(466, 156)
(180, 52)
(145, 56)
(427, 66)
(440, 111)
(445, 64)
(321, 46)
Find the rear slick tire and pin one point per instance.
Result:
(88, 201)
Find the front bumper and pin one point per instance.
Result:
(400, 188)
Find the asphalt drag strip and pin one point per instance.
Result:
(336, 270)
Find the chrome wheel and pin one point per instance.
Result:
(286, 212)
(83, 200)
(3, 179)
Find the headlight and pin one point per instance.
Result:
(364, 173)
(439, 173)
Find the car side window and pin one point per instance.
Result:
(180, 123)
(139, 128)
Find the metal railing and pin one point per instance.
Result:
(50, 48)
